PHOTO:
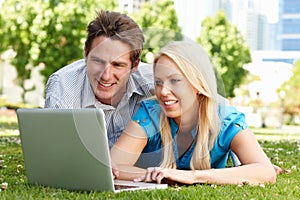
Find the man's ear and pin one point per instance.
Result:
(135, 65)
(84, 55)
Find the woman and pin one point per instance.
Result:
(189, 126)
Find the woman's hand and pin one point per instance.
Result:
(157, 174)
(277, 169)
(115, 171)
(153, 174)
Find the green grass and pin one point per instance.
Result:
(282, 151)
(8, 126)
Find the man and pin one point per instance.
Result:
(109, 77)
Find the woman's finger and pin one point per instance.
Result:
(148, 177)
(115, 173)
(140, 179)
(160, 177)
(154, 173)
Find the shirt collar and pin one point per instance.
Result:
(133, 87)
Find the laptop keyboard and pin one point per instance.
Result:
(118, 187)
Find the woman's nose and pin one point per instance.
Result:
(165, 90)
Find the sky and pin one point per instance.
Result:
(270, 9)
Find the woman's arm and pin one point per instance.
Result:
(256, 167)
(127, 150)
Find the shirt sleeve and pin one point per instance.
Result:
(233, 122)
(148, 116)
(53, 93)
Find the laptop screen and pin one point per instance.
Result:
(68, 148)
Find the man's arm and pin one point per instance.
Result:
(52, 93)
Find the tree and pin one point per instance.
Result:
(60, 36)
(111, 5)
(159, 22)
(65, 31)
(291, 89)
(50, 32)
(19, 37)
(2, 34)
(2, 45)
(227, 50)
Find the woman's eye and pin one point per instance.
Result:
(174, 80)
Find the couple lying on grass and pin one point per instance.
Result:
(184, 134)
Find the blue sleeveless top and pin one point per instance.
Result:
(148, 117)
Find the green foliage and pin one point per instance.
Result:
(61, 34)
(18, 35)
(51, 33)
(159, 23)
(292, 91)
(227, 49)
(2, 35)
(63, 27)
(111, 5)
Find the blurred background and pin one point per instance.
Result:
(253, 44)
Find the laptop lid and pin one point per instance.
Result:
(67, 148)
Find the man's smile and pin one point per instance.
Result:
(105, 84)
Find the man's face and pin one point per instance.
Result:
(108, 69)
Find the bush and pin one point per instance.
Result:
(9, 105)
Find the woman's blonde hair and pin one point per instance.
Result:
(195, 65)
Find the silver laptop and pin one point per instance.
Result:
(68, 148)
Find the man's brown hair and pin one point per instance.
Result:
(116, 26)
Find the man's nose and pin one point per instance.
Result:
(106, 73)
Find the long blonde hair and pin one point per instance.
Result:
(195, 65)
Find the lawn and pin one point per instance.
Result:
(282, 147)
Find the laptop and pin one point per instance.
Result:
(68, 148)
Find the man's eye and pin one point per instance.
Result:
(119, 65)
(98, 62)
(157, 82)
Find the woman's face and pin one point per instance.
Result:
(174, 92)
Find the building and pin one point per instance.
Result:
(289, 25)
(192, 12)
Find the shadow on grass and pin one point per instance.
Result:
(8, 126)
(284, 133)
